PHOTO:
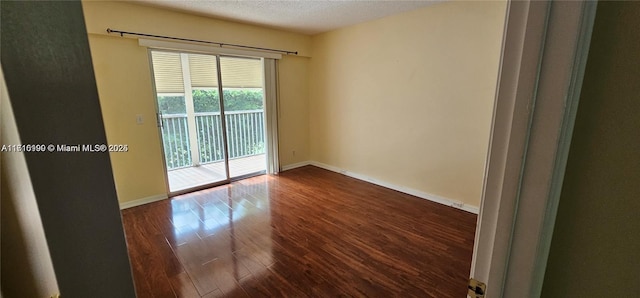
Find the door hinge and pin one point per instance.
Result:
(476, 288)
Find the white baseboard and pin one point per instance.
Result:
(407, 190)
(138, 202)
(295, 165)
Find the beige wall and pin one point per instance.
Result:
(405, 99)
(408, 99)
(27, 270)
(124, 85)
(596, 240)
(293, 121)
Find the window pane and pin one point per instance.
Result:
(173, 104)
(206, 101)
(243, 99)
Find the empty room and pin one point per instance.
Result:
(319, 148)
(294, 149)
(379, 121)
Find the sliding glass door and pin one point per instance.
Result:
(211, 114)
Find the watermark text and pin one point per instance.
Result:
(64, 148)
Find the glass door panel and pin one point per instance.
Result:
(208, 121)
(243, 98)
(175, 131)
(189, 109)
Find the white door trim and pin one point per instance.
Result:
(542, 64)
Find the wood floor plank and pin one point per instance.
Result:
(306, 232)
(215, 294)
(183, 286)
(148, 259)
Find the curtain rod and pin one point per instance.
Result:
(122, 33)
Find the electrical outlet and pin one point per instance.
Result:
(139, 119)
(293, 152)
(458, 204)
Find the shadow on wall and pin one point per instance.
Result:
(26, 269)
(17, 276)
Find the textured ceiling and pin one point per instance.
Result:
(302, 16)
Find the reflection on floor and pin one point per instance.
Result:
(186, 178)
(307, 232)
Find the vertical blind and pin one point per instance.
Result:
(271, 112)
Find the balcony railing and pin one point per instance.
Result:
(245, 134)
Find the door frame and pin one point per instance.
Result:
(544, 53)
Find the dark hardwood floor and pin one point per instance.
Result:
(307, 232)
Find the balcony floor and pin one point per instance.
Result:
(184, 178)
